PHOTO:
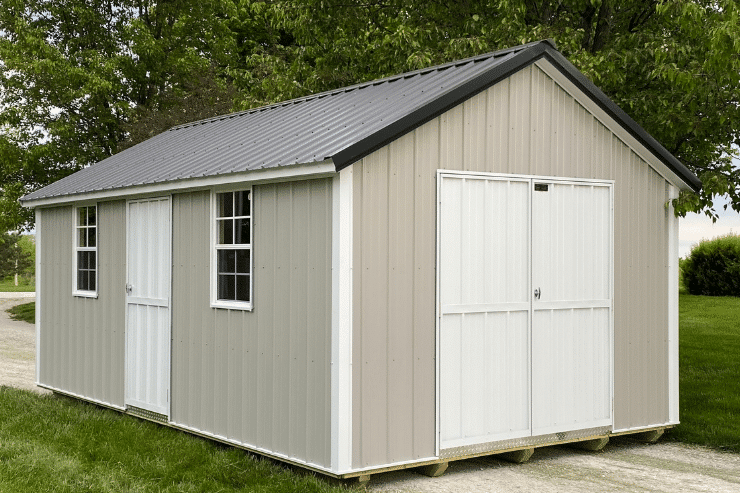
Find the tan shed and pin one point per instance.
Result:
(468, 259)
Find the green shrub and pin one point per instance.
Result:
(713, 267)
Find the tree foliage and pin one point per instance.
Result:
(82, 79)
(15, 258)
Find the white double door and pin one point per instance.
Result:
(525, 307)
(149, 267)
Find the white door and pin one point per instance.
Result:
(571, 321)
(484, 307)
(524, 299)
(148, 305)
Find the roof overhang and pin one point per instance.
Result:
(284, 173)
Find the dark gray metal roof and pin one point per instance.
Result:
(343, 125)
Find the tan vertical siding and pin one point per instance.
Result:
(82, 339)
(526, 124)
(260, 378)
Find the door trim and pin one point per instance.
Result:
(441, 310)
(127, 403)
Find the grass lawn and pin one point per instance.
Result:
(709, 358)
(25, 312)
(57, 444)
(8, 285)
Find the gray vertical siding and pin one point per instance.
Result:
(260, 378)
(525, 124)
(82, 339)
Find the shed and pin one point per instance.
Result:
(467, 259)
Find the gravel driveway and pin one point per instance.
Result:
(624, 465)
(17, 346)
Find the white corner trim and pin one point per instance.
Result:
(341, 327)
(673, 413)
(617, 129)
(37, 306)
(284, 173)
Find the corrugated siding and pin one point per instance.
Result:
(525, 124)
(82, 339)
(261, 378)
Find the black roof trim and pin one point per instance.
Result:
(516, 61)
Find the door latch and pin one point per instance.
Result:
(129, 288)
(537, 293)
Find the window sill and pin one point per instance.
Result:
(85, 294)
(232, 305)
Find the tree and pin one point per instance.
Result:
(672, 65)
(76, 75)
(14, 259)
(82, 79)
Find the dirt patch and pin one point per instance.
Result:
(624, 465)
(17, 349)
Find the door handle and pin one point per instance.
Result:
(537, 293)
(129, 288)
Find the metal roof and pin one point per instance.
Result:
(340, 126)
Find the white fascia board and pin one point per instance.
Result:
(284, 173)
(341, 352)
(615, 127)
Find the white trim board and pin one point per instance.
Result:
(287, 173)
(341, 351)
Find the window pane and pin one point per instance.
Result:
(226, 261)
(225, 232)
(91, 280)
(242, 288)
(91, 216)
(226, 287)
(91, 240)
(82, 216)
(242, 261)
(82, 237)
(242, 203)
(81, 260)
(91, 260)
(242, 231)
(225, 204)
(82, 280)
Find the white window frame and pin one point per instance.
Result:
(215, 247)
(85, 293)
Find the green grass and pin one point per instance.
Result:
(25, 312)
(7, 285)
(57, 444)
(709, 358)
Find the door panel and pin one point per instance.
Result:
(571, 246)
(484, 309)
(147, 305)
(512, 364)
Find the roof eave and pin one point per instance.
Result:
(321, 169)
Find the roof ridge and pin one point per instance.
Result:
(360, 85)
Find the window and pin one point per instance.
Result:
(86, 250)
(233, 250)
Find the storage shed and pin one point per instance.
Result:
(467, 259)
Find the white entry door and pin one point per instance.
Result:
(148, 305)
(571, 321)
(524, 301)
